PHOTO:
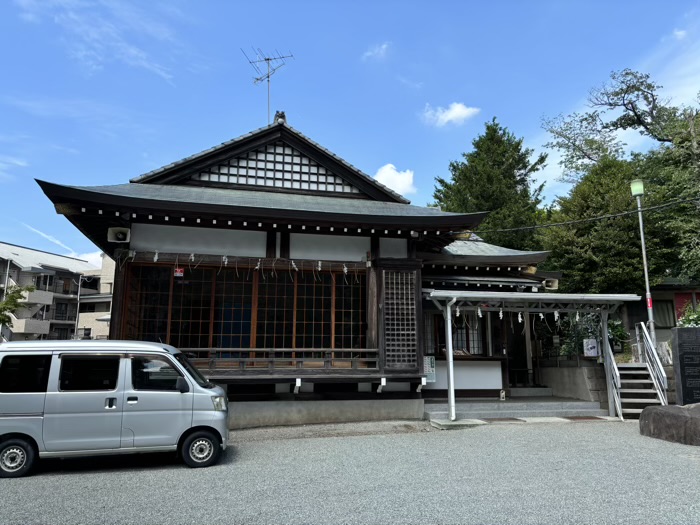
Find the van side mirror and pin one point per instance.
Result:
(182, 385)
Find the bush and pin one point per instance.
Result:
(690, 317)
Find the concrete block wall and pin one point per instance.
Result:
(250, 414)
(586, 383)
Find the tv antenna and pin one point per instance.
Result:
(273, 63)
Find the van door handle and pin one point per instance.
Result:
(131, 400)
(110, 403)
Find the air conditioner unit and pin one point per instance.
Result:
(118, 234)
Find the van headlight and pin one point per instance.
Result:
(219, 403)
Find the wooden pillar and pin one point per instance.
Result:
(116, 321)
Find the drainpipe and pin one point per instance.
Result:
(450, 360)
(4, 290)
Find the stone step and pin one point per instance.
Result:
(513, 405)
(531, 392)
(518, 413)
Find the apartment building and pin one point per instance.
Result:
(61, 283)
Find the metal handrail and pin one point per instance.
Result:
(649, 355)
(614, 375)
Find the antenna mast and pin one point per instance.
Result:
(273, 62)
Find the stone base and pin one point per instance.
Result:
(251, 414)
(680, 424)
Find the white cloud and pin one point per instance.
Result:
(94, 258)
(456, 113)
(97, 33)
(49, 238)
(679, 34)
(399, 181)
(378, 52)
(8, 164)
(410, 83)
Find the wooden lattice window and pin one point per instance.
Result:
(233, 309)
(275, 321)
(191, 309)
(148, 293)
(400, 322)
(314, 311)
(240, 308)
(278, 166)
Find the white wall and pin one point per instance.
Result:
(208, 241)
(328, 247)
(474, 375)
(397, 248)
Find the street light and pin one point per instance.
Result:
(637, 187)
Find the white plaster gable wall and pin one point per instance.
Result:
(205, 241)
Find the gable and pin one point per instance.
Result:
(274, 158)
(277, 165)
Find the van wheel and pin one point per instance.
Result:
(200, 449)
(17, 458)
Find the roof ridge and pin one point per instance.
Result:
(351, 166)
(145, 176)
(200, 153)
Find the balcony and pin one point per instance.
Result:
(60, 317)
(30, 326)
(38, 297)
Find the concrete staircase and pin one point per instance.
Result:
(637, 389)
(515, 408)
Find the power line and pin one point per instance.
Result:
(589, 219)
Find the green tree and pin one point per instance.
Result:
(496, 176)
(671, 168)
(12, 302)
(604, 256)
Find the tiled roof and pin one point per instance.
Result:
(267, 200)
(474, 252)
(154, 173)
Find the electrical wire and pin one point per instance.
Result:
(589, 219)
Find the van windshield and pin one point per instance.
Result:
(196, 374)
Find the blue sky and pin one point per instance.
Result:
(96, 92)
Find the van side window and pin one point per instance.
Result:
(24, 373)
(89, 372)
(153, 373)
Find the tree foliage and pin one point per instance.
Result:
(593, 155)
(604, 256)
(496, 176)
(12, 302)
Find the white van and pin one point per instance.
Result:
(82, 398)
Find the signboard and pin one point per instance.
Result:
(686, 364)
(590, 348)
(179, 272)
(429, 368)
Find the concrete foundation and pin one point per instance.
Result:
(251, 414)
(586, 383)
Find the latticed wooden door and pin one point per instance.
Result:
(400, 319)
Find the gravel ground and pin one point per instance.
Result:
(394, 472)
